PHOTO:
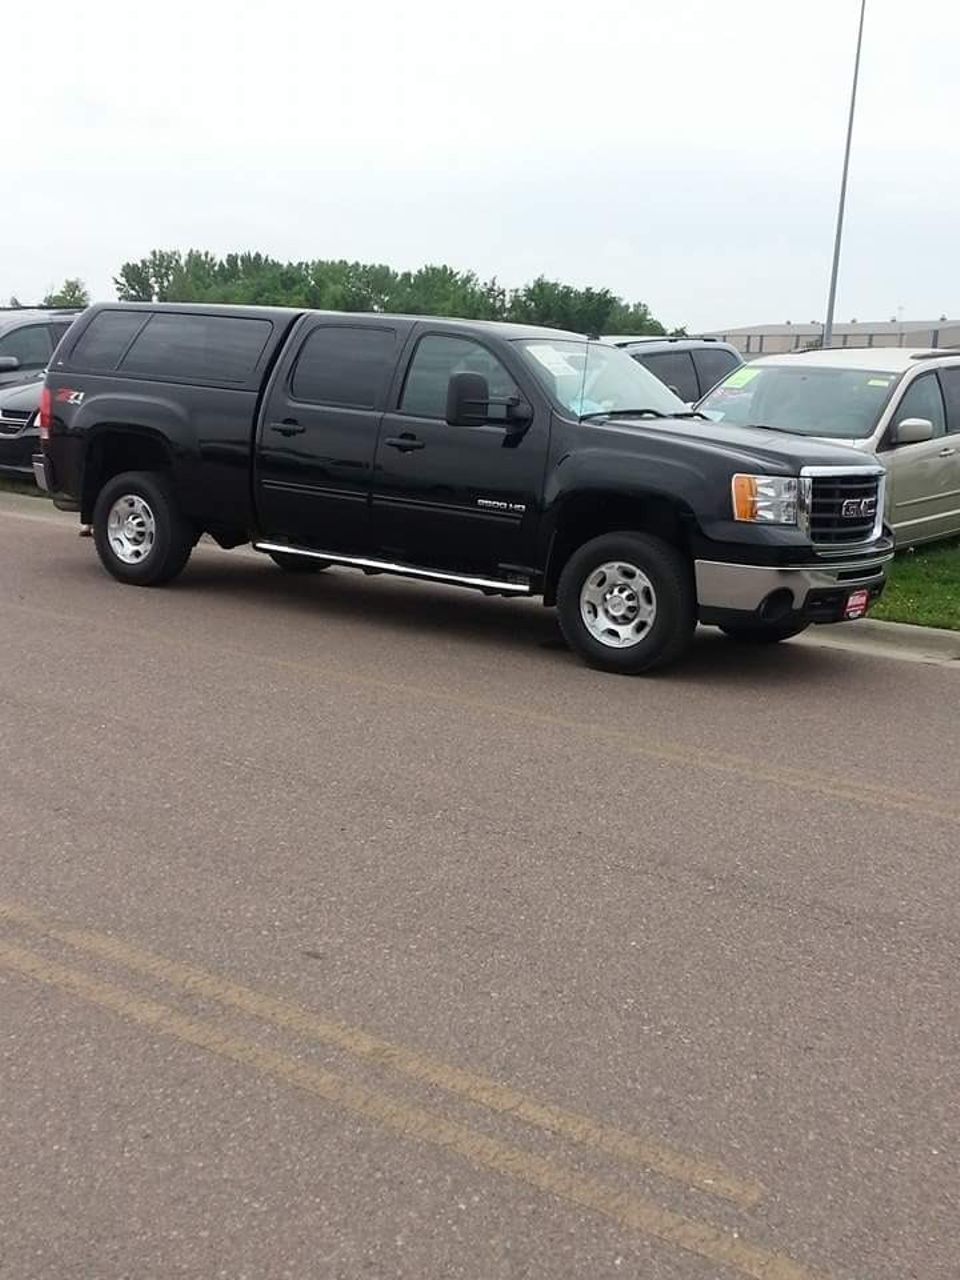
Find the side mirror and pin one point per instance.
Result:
(468, 400)
(911, 431)
(469, 405)
(9, 364)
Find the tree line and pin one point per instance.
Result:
(337, 285)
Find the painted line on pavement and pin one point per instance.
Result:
(475, 1088)
(706, 1240)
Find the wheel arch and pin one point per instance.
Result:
(589, 514)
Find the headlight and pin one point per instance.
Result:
(765, 499)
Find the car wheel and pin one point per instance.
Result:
(626, 603)
(764, 632)
(297, 564)
(141, 535)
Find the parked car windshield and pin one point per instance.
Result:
(592, 378)
(808, 399)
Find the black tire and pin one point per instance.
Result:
(162, 554)
(297, 564)
(764, 632)
(669, 585)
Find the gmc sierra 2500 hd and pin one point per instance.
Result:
(514, 460)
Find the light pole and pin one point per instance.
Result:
(831, 301)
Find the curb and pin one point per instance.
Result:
(889, 640)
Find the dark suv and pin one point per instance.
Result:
(28, 338)
(690, 367)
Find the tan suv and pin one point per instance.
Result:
(901, 405)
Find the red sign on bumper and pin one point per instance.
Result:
(857, 604)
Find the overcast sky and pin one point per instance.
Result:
(686, 153)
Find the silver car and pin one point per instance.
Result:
(901, 405)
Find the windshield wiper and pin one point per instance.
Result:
(624, 413)
(765, 426)
(691, 413)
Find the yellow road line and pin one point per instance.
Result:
(454, 1080)
(704, 1239)
(859, 792)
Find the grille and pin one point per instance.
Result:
(13, 420)
(843, 509)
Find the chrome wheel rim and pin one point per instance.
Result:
(131, 529)
(618, 604)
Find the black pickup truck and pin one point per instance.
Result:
(517, 461)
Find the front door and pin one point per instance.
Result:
(924, 478)
(318, 434)
(452, 497)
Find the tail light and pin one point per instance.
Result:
(45, 417)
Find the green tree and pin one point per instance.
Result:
(157, 278)
(633, 317)
(338, 285)
(561, 306)
(72, 293)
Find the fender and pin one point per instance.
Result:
(161, 418)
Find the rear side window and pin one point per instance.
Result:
(343, 366)
(713, 365)
(59, 330)
(105, 339)
(198, 348)
(950, 381)
(675, 368)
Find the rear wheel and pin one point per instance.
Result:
(764, 632)
(141, 535)
(626, 603)
(297, 564)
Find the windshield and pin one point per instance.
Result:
(590, 378)
(806, 399)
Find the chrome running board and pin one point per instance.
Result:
(401, 570)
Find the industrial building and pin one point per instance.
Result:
(768, 339)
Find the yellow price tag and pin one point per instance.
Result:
(742, 377)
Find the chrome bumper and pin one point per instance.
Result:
(745, 587)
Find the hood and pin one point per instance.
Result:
(25, 396)
(771, 451)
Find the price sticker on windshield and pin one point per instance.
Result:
(741, 378)
(552, 359)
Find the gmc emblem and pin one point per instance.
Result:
(858, 508)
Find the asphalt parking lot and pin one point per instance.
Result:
(350, 927)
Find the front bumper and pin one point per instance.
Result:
(39, 461)
(773, 593)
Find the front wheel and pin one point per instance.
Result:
(626, 603)
(141, 535)
(764, 632)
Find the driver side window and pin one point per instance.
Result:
(924, 400)
(435, 361)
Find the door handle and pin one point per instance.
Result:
(289, 427)
(946, 453)
(405, 443)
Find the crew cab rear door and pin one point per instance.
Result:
(318, 432)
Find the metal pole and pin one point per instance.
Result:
(828, 326)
